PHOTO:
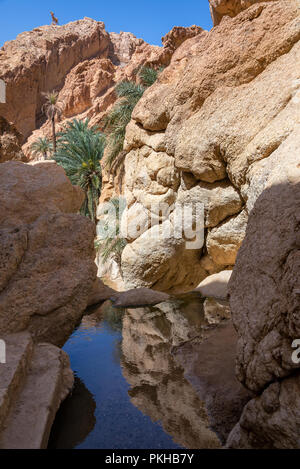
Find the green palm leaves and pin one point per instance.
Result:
(116, 121)
(129, 94)
(41, 147)
(79, 151)
(52, 108)
(110, 242)
(148, 76)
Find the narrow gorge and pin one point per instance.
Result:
(150, 234)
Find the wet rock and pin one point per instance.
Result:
(138, 297)
(216, 311)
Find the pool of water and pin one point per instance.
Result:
(131, 390)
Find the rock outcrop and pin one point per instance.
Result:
(39, 61)
(265, 303)
(82, 62)
(47, 253)
(207, 132)
(10, 142)
(34, 381)
(220, 8)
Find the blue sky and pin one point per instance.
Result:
(150, 19)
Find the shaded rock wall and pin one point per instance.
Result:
(47, 254)
(265, 303)
(10, 142)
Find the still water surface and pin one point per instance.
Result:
(130, 390)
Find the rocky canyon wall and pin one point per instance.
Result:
(206, 132)
(265, 304)
(82, 62)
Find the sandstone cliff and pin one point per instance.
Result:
(81, 61)
(228, 100)
(221, 8)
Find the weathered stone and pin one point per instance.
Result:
(215, 109)
(39, 60)
(10, 142)
(30, 190)
(220, 8)
(272, 420)
(265, 302)
(215, 285)
(100, 293)
(138, 297)
(220, 200)
(35, 380)
(224, 241)
(47, 270)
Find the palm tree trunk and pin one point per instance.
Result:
(53, 134)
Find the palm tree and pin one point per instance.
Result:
(148, 75)
(79, 151)
(52, 108)
(42, 146)
(110, 242)
(129, 94)
(116, 121)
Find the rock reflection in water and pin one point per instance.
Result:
(158, 386)
(75, 418)
(161, 377)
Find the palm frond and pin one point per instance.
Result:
(41, 147)
(79, 151)
(111, 243)
(148, 76)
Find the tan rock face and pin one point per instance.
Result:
(84, 84)
(218, 117)
(39, 61)
(123, 47)
(47, 268)
(81, 61)
(220, 8)
(10, 142)
(174, 38)
(224, 241)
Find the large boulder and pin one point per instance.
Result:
(207, 132)
(47, 254)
